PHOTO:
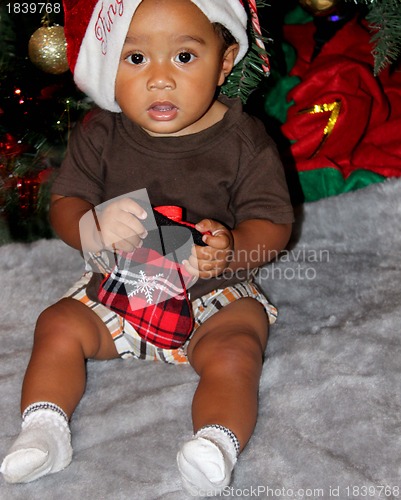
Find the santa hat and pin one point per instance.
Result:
(96, 29)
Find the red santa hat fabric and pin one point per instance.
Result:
(96, 29)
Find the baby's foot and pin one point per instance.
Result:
(207, 460)
(43, 446)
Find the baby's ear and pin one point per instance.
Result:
(228, 61)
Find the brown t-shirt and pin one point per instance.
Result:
(230, 172)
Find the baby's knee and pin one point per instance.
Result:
(70, 326)
(60, 312)
(242, 348)
(238, 353)
(247, 334)
(57, 323)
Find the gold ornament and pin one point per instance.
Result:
(334, 109)
(47, 49)
(318, 7)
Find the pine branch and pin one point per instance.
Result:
(7, 40)
(384, 17)
(248, 73)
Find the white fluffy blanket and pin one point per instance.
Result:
(330, 408)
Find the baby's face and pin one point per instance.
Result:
(170, 66)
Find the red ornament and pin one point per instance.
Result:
(10, 147)
(28, 189)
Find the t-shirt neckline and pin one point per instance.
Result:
(204, 139)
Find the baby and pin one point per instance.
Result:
(154, 68)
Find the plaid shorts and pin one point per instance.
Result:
(130, 345)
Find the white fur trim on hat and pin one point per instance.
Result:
(99, 56)
(232, 15)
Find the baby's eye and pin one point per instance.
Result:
(184, 57)
(136, 58)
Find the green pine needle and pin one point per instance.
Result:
(248, 73)
(384, 17)
(7, 41)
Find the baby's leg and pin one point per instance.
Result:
(66, 334)
(227, 353)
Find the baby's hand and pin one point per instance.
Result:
(118, 225)
(210, 261)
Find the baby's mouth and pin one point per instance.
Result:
(162, 111)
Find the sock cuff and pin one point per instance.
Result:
(209, 430)
(44, 405)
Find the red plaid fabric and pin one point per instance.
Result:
(149, 291)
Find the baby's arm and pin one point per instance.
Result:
(258, 241)
(119, 224)
(251, 244)
(65, 213)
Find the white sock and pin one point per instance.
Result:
(43, 446)
(207, 460)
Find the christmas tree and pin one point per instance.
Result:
(38, 106)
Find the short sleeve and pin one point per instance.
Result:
(81, 172)
(260, 190)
